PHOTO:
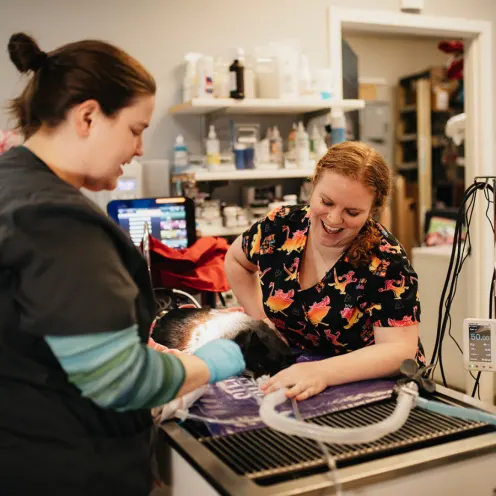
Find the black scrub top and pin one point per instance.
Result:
(338, 314)
(65, 269)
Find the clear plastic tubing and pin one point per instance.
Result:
(367, 434)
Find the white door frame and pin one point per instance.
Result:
(479, 107)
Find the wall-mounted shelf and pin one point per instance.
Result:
(208, 231)
(203, 106)
(240, 175)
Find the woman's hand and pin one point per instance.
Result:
(223, 358)
(303, 380)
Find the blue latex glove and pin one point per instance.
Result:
(223, 358)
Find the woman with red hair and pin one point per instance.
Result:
(331, 279)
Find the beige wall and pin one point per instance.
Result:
(158, 32)
(392, 57)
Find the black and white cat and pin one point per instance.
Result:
(187, 329)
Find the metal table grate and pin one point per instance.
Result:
(267, 456)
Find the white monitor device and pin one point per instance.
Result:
(479, 344)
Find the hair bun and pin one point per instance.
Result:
(25, 53)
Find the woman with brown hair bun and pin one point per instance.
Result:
(331, 279)
(77, 380)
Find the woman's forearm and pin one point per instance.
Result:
(378, 360)
(246, 287)
(196, 373)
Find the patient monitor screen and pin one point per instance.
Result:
(479, 342)
(166, 222)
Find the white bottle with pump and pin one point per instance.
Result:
(302, 147)
(213, 150)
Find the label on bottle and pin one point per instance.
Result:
(213, 159)
(233, 86)
(276, 152)
(338, 135)
(180, 158)
(209, 86)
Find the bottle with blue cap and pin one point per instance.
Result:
(181, 161)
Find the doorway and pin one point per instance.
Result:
(479, 132)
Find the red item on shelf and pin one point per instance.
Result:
(451, 46)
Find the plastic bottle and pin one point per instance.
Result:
(292, 142)
(305, 76)
(314, 140)
(239, 155)
(302, 147)
(262, 152)
(250, 85)
(237, 77)
(276, 147)
(213, 150)
(180, 154)
(222, 87)
(267, 78)
(190, 81)
(319, 145)
(338, 123)
(205, 69)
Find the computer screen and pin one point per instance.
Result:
(170, 220)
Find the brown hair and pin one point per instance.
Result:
(72, 74)
(361, 162)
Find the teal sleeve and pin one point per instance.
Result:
(116, 370)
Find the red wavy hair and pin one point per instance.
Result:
(361, 162)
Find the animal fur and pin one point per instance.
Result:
(188, 329)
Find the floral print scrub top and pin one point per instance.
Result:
(336, 315)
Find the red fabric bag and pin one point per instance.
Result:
(197, 268)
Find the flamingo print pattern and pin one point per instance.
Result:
(293, 270)
(279, 301)
(352, 315)
(267, 245)
(333, 337)
(397, 287)
(294, 242)
(386, 247)
(255, 243)
(340, 282)
(302, 332)
(261, 275)
(339, 313)
(318, 311)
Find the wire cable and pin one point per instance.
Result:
(462, 247)
(328, 458)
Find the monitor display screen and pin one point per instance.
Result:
(479, 343)
(170, 220)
